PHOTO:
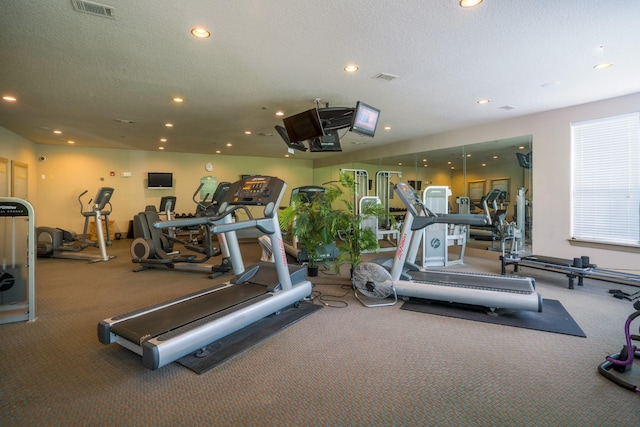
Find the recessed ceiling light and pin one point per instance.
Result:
(160, 148)
(469, 3)
(169, 125)
(57, 132)
(218, 151)
(351, 68)
(387, 128)
(495, 157)
(201, 33)
(9, 98)
(247, 132)
(71, 142)
(483, 101)
(163, 139)
(603, 66)
(178, 99)
(229, 144)
(279, 113)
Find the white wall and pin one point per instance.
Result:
(551, 172)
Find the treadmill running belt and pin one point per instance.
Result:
(152, 324)
(479, 281)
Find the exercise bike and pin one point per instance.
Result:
(623, 360)
(58, 243)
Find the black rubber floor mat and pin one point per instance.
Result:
(239, 341)
(553, 318)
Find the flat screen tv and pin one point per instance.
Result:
(303, 126)
(365, 119)
(285, 136)
(329, 142)
(159, 180)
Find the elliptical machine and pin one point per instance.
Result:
(151, 248)
(58, 243)
(623, 360)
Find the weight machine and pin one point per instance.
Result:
(18, 274)
(437, 238)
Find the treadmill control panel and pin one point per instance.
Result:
(409, 198)
(255, 190)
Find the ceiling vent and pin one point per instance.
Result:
(385, 76)
(507, 107)
(93, 8)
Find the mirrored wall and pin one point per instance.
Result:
(472, 171)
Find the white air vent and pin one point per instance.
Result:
(93, 8)
(507, 107)
(385, 76)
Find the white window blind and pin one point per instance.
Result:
(606, 180)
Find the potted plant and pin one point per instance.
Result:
(313, 222)
(354, 239)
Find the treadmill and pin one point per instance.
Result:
(486, 290)
(165, 332)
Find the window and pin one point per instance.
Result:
(606, 180)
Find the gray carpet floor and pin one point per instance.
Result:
(345, 365)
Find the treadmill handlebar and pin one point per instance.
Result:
(425, 221)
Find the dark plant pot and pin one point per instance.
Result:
(312, 271)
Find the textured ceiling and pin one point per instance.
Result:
(90, 76)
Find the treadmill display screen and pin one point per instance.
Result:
(255, 190)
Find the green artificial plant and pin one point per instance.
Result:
(354, 240)
(313, 222)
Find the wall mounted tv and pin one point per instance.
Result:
(303, 126)
(365, 119)
(159, 180)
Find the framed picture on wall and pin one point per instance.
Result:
(476, 190)
(501, 184)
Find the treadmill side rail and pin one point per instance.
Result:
(157, 353)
